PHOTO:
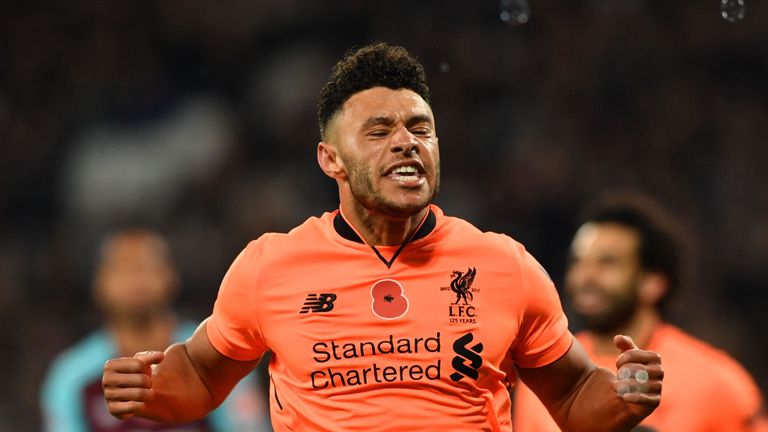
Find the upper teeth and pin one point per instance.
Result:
(405, 170)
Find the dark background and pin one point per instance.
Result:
(198, 118)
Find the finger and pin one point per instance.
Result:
(640, 373)
(638, 356)
(642, 398)
(124, 365)
(624, 387)
(639, 379)
(149, 357)
(120, 380)
(624, 343)
(125, 410)
(127, 395)
(653, 371)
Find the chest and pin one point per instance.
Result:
(358, 314)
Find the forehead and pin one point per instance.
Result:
(601, 238)
(127, 248)
(383, 102)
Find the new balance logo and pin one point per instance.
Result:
(464, 354)
(318, 303)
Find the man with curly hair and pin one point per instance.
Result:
(386, 314)
(627, 260)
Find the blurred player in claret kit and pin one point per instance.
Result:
(626, 261)
(386, 314)
(134, 287)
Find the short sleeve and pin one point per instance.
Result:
(233, 327)
(543, 336)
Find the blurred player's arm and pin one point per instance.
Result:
(183, 384)
(582, 397)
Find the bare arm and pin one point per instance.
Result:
(181, 385)
(582, 397)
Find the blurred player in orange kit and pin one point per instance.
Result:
(625, 263)
(134, 287)
(386, 314)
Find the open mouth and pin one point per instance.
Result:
(405, 174)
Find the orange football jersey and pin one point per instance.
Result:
(416, 337)
(704, 389)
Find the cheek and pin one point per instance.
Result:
(618, 284)
(433, 150)
(574, 278)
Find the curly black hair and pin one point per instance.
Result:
(375, 65)
(664, 243)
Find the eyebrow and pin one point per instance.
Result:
(388, 121)
(418, 118)
(375, 121)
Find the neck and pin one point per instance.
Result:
(151, 332)
(378, 229)
(640, 328)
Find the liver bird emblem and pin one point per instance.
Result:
(461, 284)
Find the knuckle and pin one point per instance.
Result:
(109, 364)
(109, 379)
(623, 358)
(109, 395)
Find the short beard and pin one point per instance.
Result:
(361, 185)
(614, 319)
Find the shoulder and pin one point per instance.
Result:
(506, 261)
(498, 252)
(79, 363)
(465, 233)
(677, 342)
(311, 230)
(704, 360)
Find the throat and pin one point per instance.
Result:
(348, 230)
(377, 229)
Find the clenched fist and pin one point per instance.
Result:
(639, 376)
(127, 383)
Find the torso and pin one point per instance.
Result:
(420, 344)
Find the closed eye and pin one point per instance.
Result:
(378, 133)
(421, 132)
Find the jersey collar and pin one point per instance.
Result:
(345, 230)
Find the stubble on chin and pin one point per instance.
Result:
(366, 194)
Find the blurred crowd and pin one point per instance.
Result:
(198, 119)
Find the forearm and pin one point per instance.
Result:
(179, 393)
(596, 406)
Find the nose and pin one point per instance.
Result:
(403, 141)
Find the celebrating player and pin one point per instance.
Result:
(625, 264)
(386, 314)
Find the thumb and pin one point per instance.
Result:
(624, 343)
(149, 358)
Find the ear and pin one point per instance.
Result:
(329, 161)
(653, 288)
